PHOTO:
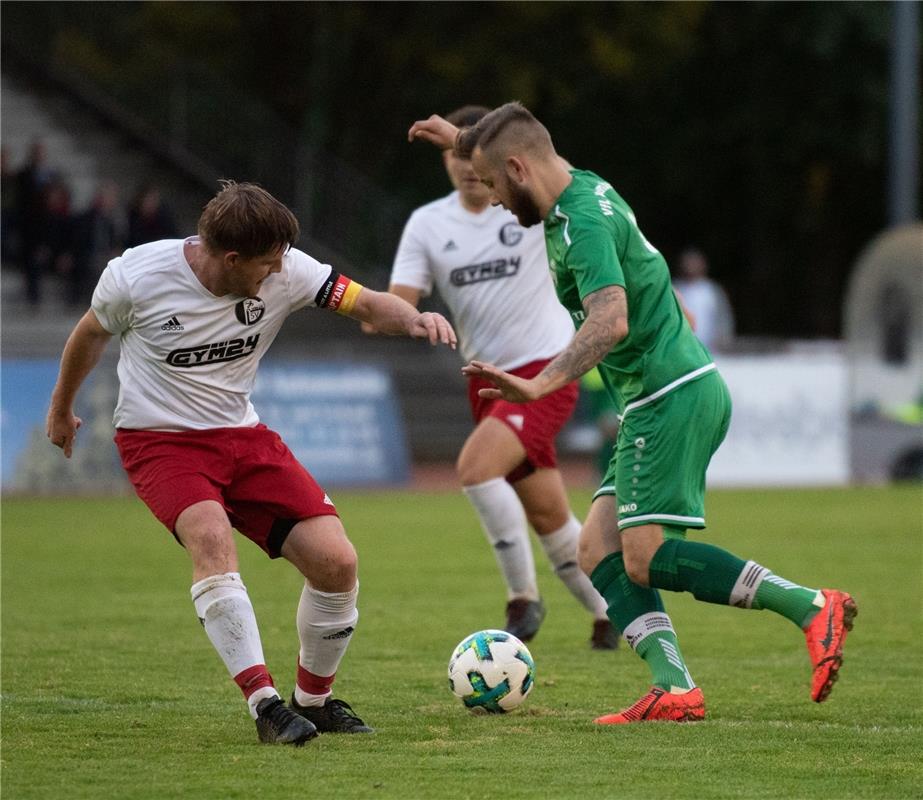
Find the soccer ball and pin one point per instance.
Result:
(491, 671)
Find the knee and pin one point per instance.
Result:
(342, 569)
(209, 541)
(588, 556)
(547, 520)
(637, 567)
(470, 472)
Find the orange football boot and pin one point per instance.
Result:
(659, 705)
(825, 636)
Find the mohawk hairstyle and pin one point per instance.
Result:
(531, 134)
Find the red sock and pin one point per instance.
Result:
(253, 678)
(310, 683)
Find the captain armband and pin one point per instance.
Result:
(338, 293)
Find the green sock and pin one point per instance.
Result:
(794, 602)
(703, 569)
(716, 576)
(638, 612)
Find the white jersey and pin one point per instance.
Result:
(187, 358)
(492, 274)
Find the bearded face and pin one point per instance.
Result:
(523, 206)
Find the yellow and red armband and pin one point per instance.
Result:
(338, 293)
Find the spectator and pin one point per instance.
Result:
(99, 235)
(9, 222)
(31, 183)
(705, 300)
(149, 218)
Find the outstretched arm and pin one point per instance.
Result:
(409, 293)
(434, 130)
(605, 326)
(390, 314)
(82, 352)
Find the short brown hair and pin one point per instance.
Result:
(510, 124)
(246, 218)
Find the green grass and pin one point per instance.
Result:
(111, 689)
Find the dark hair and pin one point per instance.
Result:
(529, 133)
(466, 116)
(246, 218)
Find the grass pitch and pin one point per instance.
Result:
(111, 689)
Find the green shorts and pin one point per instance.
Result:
(657, 471)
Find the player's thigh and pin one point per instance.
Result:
(600, 533)
(204, 530)
(271, 492)
(491, 451)
(321, 551)
(544, 499)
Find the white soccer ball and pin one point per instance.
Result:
(491, 671)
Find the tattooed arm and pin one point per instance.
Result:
(605, 326)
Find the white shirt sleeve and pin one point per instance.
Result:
(111, 300)
(306, 276)
(411, 263)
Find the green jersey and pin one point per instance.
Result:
(593, 241)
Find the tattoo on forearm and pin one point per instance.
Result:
(605, 325)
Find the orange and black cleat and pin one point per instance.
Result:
(825, 636)
(659, 705)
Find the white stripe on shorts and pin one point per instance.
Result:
(667, 518)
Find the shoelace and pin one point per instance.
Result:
(278, 714)
(341, 710)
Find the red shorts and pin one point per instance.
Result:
(261, 485)
(535, 424)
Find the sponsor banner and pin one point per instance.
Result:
(789, 424)
(30, 463)
(341, 421)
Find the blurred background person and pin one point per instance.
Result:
(31, 183)
(711, 314)
(493, 275)
(9, 223)
(53, 240)
(149, 217)
(98, 236)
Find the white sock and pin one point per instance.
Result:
(326, 621)
(504, 523)
(225, 611)
(561, 549)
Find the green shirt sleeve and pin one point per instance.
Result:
(592, 255)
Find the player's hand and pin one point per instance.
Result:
(61, 429)
(435, 130)
(433, 326)
(509, 387)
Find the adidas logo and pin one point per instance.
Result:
(172, 325)
(343, 634)
(449, 245)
